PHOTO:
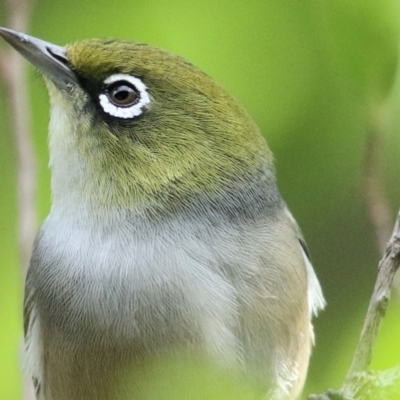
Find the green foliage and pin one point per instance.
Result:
(312, 74)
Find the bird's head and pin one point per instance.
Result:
(134, 125)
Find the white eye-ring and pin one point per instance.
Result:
(125, 96)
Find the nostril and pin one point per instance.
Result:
(59, 57)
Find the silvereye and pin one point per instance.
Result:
(167, 232)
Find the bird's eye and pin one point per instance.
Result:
(124, 96)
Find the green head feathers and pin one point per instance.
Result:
(190, 138)
(140, 126)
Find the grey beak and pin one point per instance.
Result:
(48, 58)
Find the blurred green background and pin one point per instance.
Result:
(314, 75)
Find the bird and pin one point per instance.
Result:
(167, 233)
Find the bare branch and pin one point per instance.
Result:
(378, 304)
(358, 378)
(377, 307)
(383, 385)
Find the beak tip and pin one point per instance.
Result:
(47, 57)
(11, 36)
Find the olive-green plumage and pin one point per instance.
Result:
(193, 139)
(167, 233)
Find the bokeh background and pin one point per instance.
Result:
(318, 77)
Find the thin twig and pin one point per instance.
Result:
(357, 377)
(377, 308)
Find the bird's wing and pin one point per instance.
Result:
(33, 353)
(278, 333)
(316, 300)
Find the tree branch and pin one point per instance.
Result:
(359, 381)
(377, 308)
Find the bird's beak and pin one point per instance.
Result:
(48, 58)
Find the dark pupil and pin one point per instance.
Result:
(122, 94)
